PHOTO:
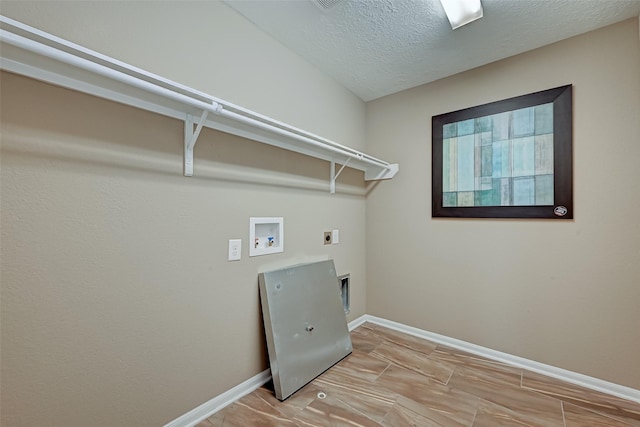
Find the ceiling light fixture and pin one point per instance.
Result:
(461, 12)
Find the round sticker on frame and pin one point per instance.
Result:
(560, 210)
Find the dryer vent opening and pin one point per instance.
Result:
(343, 283)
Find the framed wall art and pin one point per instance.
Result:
(506, 159)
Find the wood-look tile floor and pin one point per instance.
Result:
(394, 380)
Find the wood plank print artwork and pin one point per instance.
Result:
(395, 380)
(504, 159)
(510, 158)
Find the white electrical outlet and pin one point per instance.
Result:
(235, 249)
(335, 237)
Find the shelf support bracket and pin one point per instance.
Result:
(334, 175)
(190, 138)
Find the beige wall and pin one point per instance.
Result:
(565, 293)
(118, 304)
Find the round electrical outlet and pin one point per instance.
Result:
(327, 237)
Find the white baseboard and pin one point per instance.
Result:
(209, 408)
(212, 406)
(358, 322)
(519, 362)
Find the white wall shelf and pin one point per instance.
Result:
(33, 53)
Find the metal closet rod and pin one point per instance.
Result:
(96, 63)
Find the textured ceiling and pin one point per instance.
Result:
(379, 47)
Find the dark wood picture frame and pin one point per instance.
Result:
(562, 208)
